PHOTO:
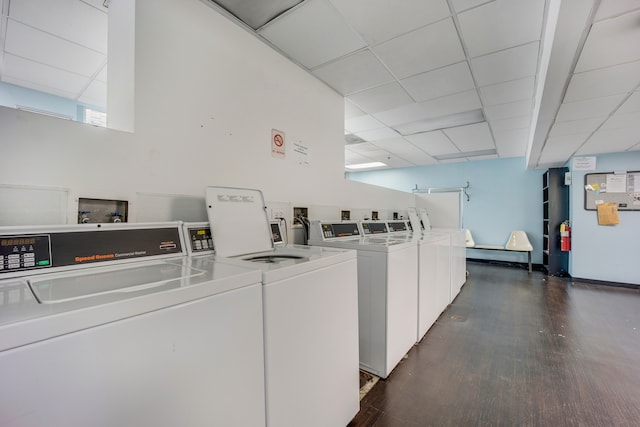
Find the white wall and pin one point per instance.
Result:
(207, 94)
(608, 253)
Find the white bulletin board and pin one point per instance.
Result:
(622, 188)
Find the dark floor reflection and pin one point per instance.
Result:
(518, 349)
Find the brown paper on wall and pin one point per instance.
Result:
(608, 214)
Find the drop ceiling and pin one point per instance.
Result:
(438, 81)
(424, 81)
(57, 47)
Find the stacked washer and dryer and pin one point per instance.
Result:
(310, 297)
(112, 325)
(387, 286)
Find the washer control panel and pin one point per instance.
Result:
(397, 226)
(345, 229)
(24, 252)
(78, 245)
(373, 228)
(200, 239)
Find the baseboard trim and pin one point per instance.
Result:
(523, 265)
(582, 280)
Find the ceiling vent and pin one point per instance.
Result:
(478, 153)
(256, 13)
(353, 139)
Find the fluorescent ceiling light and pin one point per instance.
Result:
(366, 165)
(467, 154)
(444, 122)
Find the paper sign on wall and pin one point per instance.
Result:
(277, 144)
(584, 163)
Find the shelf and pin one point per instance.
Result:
(555, 207)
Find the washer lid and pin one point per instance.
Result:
(238, 220)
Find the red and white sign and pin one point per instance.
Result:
(277, 144)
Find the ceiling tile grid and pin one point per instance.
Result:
(57, 47)
(430, 47)
(474, 67)
(390, 18)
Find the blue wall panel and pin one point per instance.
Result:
(504, 196)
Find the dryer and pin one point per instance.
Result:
(387, 288)
(310, 298)
(109, 325)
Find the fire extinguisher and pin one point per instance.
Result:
(565, 237)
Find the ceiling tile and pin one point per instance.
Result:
(460, 5)
(360, 124)
(71, 20)
(352, 111)
(425, 49)
(623, 120)
(390, 18)
(381, 98)
(369, 150)
(512, 109)
(610, 141)
(611, 8)
(435, 143)
(506, 65)
(404, 150)
(397, 145)
(632, 104)
(511, 142)
(42, 77)
(44, 48)
(576, 126)
(405, 114)
(500, 25)
(599, 107)
(95, 94)
(611, 42)
(354, 73)
(471, 137)
(377, 134)
(321, 34)
(457, 103)
(398, 162)
(599, 83)
(521, 122)
(352, 158)
(444, 81)
(559, 148)
(511, 91)
(102, 75)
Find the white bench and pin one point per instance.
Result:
(518, 242)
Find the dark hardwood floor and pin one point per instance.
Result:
(518, 349)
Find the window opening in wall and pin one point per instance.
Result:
(94, 117)
(54, 57)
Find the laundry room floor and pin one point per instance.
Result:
(519, 349)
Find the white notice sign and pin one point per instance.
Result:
(584, 163)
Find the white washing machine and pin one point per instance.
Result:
(109, 325)
(310, 300)
(458, 252)
(387, 286)
(457, 249)
(433, 273)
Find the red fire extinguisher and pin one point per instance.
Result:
(565, 237)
